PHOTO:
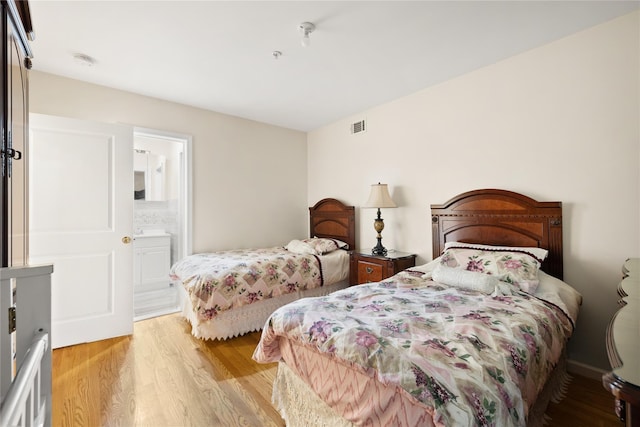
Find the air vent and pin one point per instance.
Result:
(358, 127)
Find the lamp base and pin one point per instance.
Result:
(379, 249)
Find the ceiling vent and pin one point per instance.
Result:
(358, 127)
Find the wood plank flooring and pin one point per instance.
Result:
(163, 377)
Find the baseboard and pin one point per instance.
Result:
(584, 370)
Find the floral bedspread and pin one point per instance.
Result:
(222, 280)
(469, 358)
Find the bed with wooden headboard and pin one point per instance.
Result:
(229, 293)
(500, 218)
(413, 351)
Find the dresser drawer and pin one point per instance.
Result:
(369, 272)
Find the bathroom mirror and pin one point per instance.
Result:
(149, 177)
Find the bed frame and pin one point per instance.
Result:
(502, 218)
(332, 219)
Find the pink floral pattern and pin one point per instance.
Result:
(474, 360)
(322, 246)
(516, 268)
(223, 280)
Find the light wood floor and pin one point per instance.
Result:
(162, 376)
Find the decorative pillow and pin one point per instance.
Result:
(465, 279)
(300, 247)
(324, 246)
(340, 243)
(538, 253)
(518, 266)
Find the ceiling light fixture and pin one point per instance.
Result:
(306, 28)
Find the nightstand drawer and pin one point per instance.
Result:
(369, 272)
(366, 267)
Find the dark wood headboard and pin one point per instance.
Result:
(501, 218)
(332, 219)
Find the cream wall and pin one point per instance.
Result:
(560, 122)
(243, 191)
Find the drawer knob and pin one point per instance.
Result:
(369, 270)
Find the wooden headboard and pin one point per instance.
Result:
(332, 219)
(501, 218)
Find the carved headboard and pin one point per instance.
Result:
(501, 218)
(332, 219)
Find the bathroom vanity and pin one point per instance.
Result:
(153, 292)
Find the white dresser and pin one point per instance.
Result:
(25, 346)
(153, 292)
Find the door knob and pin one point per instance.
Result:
(126, 240)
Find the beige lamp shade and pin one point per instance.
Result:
(379, 197)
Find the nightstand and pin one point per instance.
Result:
(366, 267)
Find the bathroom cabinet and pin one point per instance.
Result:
(153, 292)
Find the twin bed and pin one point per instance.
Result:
(230, 293)
(475, 337)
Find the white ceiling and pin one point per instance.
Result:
(217, 55)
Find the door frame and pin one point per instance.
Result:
(186, 202)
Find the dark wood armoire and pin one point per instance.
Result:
(16, 30)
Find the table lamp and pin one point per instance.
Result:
(379, 198)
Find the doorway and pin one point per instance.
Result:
(161, 218)
(81, 197)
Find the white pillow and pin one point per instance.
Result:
(339, 243)
(300, 247)
(466, 279)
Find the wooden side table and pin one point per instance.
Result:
(366, 267)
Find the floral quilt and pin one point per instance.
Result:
(222, 280)
(470, 358)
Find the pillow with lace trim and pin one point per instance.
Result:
(516, 266)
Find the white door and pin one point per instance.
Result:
(81, 220)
